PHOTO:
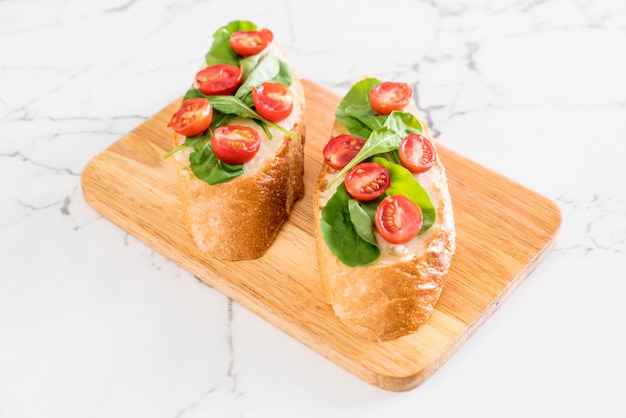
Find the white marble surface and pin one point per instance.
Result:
(93, 323)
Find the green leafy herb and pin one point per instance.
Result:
(366, 116)
(248, 64)
(221, 52)
(234, 106)
(256, 69)
(355, 107)
(384, 139)
(347, 224)
(403, 182)
(269, 68)
(340, 233)
(362, 221)
(204, 163)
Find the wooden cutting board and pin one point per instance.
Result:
(503, 231)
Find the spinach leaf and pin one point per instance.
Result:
(284, 75)
(204, 163)
(192, 93)
(367, 116)
(220, 119)
(248, 64)
(362, 221)
(357, 102)
(340, 233)
(403, 182)
(266, 69)
(256, 69)
(234, 106)
(348, 225)
(385, 139)
(221, 116)
(221, 52)
(269, 68)
(370, 207)
(404, 123)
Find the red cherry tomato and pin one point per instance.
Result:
(389, 96)
(417, 153)
(193, 117)
(273, 101)
(251, 42)
(398, 219)
(235, 144)
(220, 79)
(341, 149)
(367, 181)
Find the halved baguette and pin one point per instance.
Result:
(239, 219)
(396, 294)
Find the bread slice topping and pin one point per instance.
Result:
(241, 172)
(385, 229)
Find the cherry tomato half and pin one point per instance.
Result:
(389, 96)
(398, 219)
(250, 42)
(367, 181)
(193, 117)
(341, 149)
(417, 153)
(273, 101)
(235, 144)
(220, 79)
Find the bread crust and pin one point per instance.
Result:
(384, 301)
(239, 218)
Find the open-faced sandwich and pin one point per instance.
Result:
(384, 224)
(239, 142)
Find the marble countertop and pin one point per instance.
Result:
(94, 323)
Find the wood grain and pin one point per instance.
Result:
(497, 248)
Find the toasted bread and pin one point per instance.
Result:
(239, 218)
(397, 293)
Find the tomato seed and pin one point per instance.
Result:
(390, 221)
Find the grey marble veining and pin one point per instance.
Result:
(93, 323)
